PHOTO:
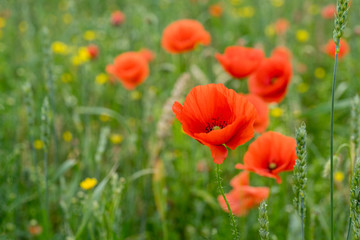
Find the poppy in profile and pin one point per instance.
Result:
(344, 48)
(93, 51)
(271, 79)
(216, 116)
(130, 68)
(239, 61)
(243, 197)
(184, 35)
(262, 120)
(270, 154)
(329, 11)
(281, 26)
(216, 10)
(117, 18)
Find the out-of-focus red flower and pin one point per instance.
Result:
(243, 197)
(328, 12)
(262, 120)
(147, 54)
(272, 77)
(216, 116)
(344, 48)
(93, 51)
(269, 155)
(240, 61)
(35, 230)
(184, 35)
(117, 18)
(130, 68)
(281, 26)
(216, 10)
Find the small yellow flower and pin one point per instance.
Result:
(302, 87)
(66, 77)
(23, 26)
(59, 48)
(270, 30)
(104, 118)
(67, 18)
(89, 35)
(2, 22)
(101, 78)
(88, 183)
(339, 176)
(246, 12)
(319, 73)
(83, 54)
(235, 2)
(276, 112)
(314, 9)
(302, 35)
(38, 144)
(277, 3)
(116, 138)
(67, 136)
(135, 95)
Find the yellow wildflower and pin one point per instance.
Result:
(116, 138)
(66, 77)
(135, 95)
(89, 35)
(67, 18)
(38, 144)
(67, 136)
(23, 26)
(302, 35)
(101, 78)
(235, 2)
(314, 9)
(319, 73)
(276, 112)
(104, 118)
(339, 176)
(59, 48)
(246, 12)
(302, 87)
(270, 30)
(277, 3)
(88, 183)
(2, 22)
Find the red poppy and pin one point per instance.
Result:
(184, 35)
(344, 48)
(329, 11)
(243, 197)
(281, 26)
(117, 18)
(282, 52)
(216, 10)
(262, 120)
(93, 51)
(130, 68)
(216, 116)
(240, 61)
(269, 155)
(147, 54)
(271, 79)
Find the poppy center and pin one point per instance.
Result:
(272, 166)
(215, 124)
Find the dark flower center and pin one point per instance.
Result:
(215, 124)
(272, 166)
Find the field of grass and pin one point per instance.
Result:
(64, 119)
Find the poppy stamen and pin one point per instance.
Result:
(215, 125)
(272, 166)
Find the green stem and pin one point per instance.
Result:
(332, 147)
(233, 224)
(302, 219)
(349, 228)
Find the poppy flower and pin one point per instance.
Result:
(270, 154)
(93, 51)
(117, 18)
(147, 54)
(240, 61)
(216, 116)
(330, 48)
(130, 68)
(271, 79)
(216, 10)
(329, 11)
(281, 26)
(243, 197)
(184, 35)
(262, 120)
